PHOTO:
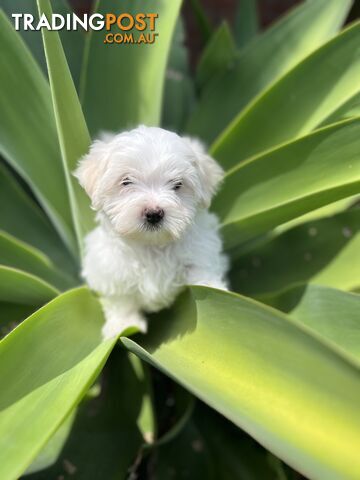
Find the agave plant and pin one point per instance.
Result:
(277, 359)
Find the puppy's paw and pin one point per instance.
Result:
(201, 279)
(219, 284)
(115, 325)
(111, 330)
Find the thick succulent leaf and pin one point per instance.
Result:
(341, 272)
(290, 181)
(313, 90)
(333, 314)
(30, 37)
(71, 127)
(264, 372)
(219, 52)
(264, 61)
(51, 452)
(72, 40)
(131, 76)
(324, 251)
(67, 353)
(22, 288)
(23, 219)
(146, 420)
(28, 138)
(104, 439)
(178, 89)
(19, 255)
(327, 211)
(349, 109)
(203, 22)
(246, 21)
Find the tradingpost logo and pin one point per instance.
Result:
(123, 28)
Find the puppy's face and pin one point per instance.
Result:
(148, 183)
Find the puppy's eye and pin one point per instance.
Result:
(177, 185)
(126, 182)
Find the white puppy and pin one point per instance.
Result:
(151, 190)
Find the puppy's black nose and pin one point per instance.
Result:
(154, 216)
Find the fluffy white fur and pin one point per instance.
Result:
(137, 266)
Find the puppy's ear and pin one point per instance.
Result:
(210, 172)
(91, 169)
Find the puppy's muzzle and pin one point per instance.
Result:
(154, 216)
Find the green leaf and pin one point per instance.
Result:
(203, 23)
(31, 38)
(19, 255)
(290, 181)
(23, 219)
(313, 90)
(72, 40)
(22, 288)
(263, 372)
(131, 77)
(246, 21)
(264, 61)
(104, 439)
(219, 52)
(67, 353)
(146, 420)
(28, 138)
(324, 251)
(178, 89)
(327, 211)
(50, 453)
(72, 130)
(349, 109)
(333, 314)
